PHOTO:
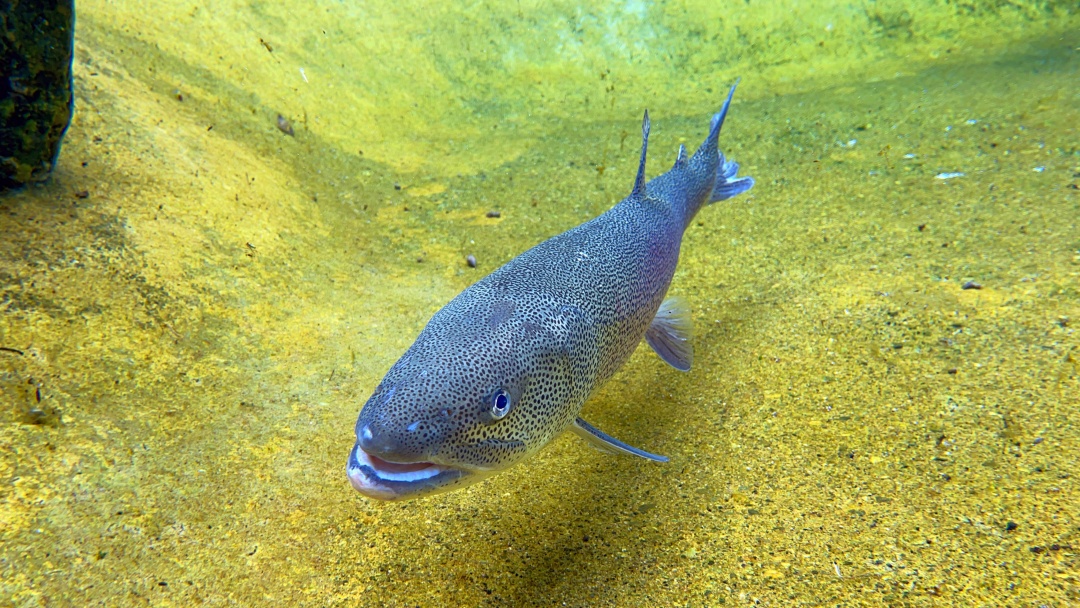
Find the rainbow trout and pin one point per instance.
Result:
(508, 364)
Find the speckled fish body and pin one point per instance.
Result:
(508, 364)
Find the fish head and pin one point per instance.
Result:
(468, 400)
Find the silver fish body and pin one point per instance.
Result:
(508, 364)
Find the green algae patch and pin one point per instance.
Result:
(882, 408)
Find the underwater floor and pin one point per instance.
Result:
(884, 402)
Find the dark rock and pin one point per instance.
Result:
(36, 101)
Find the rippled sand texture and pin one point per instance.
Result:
(195, 307)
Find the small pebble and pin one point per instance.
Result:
(1037, 441)
(971, 285)
(82, 194)
(284, 126)
(470, 260)
(1009, 527)
(37, 415)
(397, 186)
(494, 214)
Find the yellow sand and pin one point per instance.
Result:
(195, 307)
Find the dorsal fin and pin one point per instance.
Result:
(639, 183)
(681, 159)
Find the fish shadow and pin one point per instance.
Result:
(581, 527)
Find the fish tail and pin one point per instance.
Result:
(728, 184)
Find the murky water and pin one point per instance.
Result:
(193, 310)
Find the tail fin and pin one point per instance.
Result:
(727, 184)
(713, 139)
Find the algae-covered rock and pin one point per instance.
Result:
(36, 46)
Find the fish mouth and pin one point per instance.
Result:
(385, 480)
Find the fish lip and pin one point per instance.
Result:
(381, 479)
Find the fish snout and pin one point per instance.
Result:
(392, 445)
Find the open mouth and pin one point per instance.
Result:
(377, 478)
(385, 467)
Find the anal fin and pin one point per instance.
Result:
(606, 443)
(670, 332)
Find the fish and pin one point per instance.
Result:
(507, 365)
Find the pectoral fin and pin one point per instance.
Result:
(606, 443)
(670, 332)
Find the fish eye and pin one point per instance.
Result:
(500, 404)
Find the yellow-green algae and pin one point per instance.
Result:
(195, 307)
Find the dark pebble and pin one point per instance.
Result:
(494, 214)
(397, 186)
(1009, 527)
(971, 285)
(1037, 441)
(82, 194)
(284, 126)
(951, 370)
(1038, 549)
(37, 415)
(471, 261)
